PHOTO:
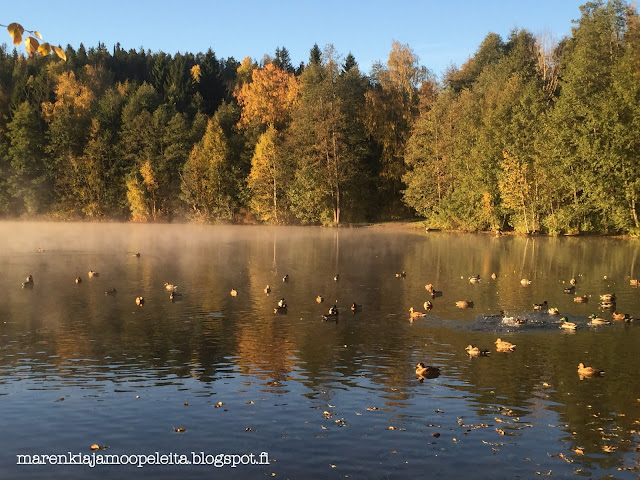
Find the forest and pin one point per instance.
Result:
(528, 135)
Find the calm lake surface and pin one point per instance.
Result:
(322, 399)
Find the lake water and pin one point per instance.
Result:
(215, 374)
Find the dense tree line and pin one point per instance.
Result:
(526, 135)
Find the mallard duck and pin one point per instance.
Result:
(520, 321)
(40, 250)
(493, 276)
(503, 346)
(540, 306)
(573, 281)
(595, 320)
(110, 292)
(137, 255)
(432, 291)
(281, 307)
(78, 280)
(28, 282)
(234, 292)
(608, 305)
(588, 371)
(476, 352)
(634, 282)
(427, 371)
(524, 282)
(355, 307)
(403, 274)
(464, 304)
(170, 287)
(415, 314)
(474, 279)
(319, 299)
(175, 296)
(93, 274)
(427, 305)
(336, 278)
(267, 289)
(332, 315)
(608, 297)
(140, 301)
(285, 278)
(620, 316)
(583, 299)
(553, 311)
(569, 290)
(567, 325)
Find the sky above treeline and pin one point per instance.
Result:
(441, 33)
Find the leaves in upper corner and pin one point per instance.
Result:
(59, 52)
(31, 45)
(16, 30)
(44, 49)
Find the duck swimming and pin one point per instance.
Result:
(93, 274)
(140, 301)
(78, 280)
(319, 299)
(234, 292)
(553, 311)
(267, 289)
(524, 282)
(583, 299)
(281, 307)
(621, 316)
(110, 292)
(170, 287)
(540, 306)
(503, 346)
(427, 305)
(608, 297)
(175, 296)
(464, 304)
(426, 371)
(588, 371)
(28, 282)
(285, 278)
(332, 315)
(567, 325)
(569, 290)
(355, 307)
(595, 320)
(432, 291)
(403, 274)
(474, 279)
(476, 352)
(415, 314)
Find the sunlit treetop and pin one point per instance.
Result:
(32, 42)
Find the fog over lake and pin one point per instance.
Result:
(210, 373)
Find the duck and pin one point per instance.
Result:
(607, 305)
(474, 279)
(595, 320)
(140, 301)
(569, 290)
(175, 296)
(567, 325)
(464, 304)
(608, 297)
(332, 315)
(336, 278)
(426, 371)
(493, 276)
(137, 255)
(281, 307)
(520, 321)
(525, 281)
(110, 292)
(573, 281)
(588, 371)
(170, 287)
(553, 311)
(540, 306)
(40, 250)
(234, 292)
(355, 307)
(432, 291)
(267, 289)
(582, 299)
(415, 314)
(503, 346)
(403, 274)
(28, 282)
(621, 316)
(285, 278)
(427, 305)
(93, 274)
(476, 352)
(78, 280)
(319, 299)
(634, 282)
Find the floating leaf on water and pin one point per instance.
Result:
(578, 450)
(218, 405)
(95, 446)
(186, 404)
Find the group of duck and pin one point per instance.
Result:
(332, 315)
(607, 301)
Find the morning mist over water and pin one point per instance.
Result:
(225, 375)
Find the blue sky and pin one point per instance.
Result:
(441, 32)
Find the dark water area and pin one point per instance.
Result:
(216, 374)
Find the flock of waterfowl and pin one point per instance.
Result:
(607, 301)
